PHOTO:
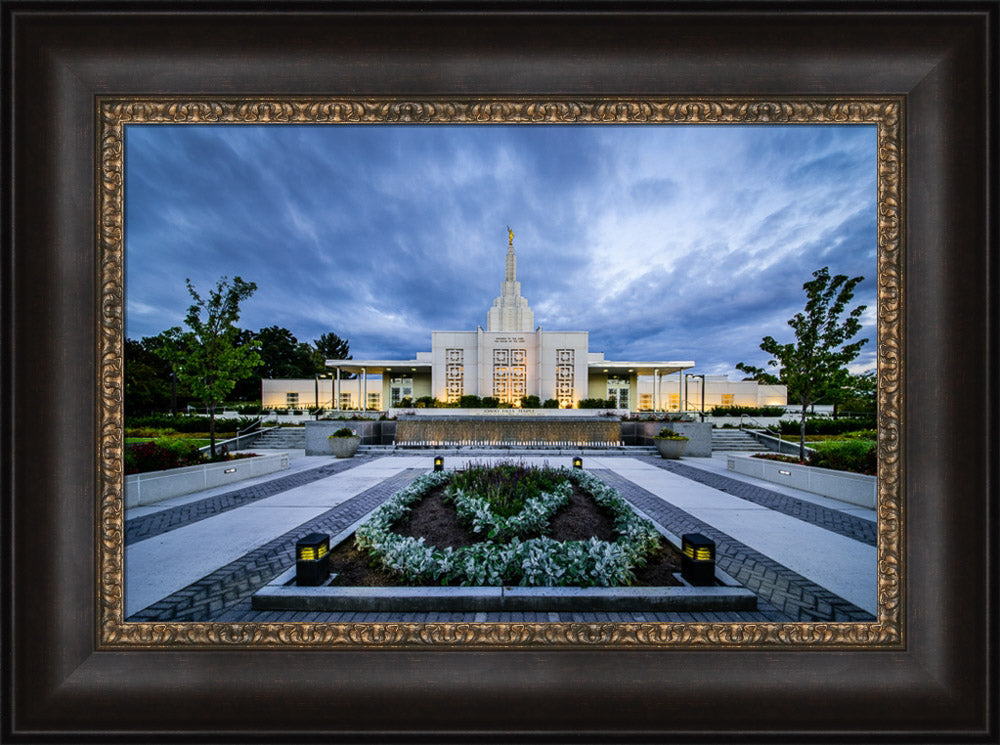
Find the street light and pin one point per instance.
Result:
(695, 375)
(318, 376)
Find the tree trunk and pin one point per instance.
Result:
(802, 434)
(211, 428)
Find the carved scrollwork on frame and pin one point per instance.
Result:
(885, 113)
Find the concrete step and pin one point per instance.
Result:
(282, 438)
(505, 451)
(734, 440)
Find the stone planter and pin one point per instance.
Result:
(671, 448)
(344, 447)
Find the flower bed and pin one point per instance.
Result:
(537, 561)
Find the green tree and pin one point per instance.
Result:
(330, 346)
(861, 395)
(284, 356)
(248, 387)
(206, 356)
(147, 378)
(816, 363)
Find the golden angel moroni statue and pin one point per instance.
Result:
(510, 236)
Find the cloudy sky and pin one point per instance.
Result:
(664, 242)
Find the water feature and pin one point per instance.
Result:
(491, 431)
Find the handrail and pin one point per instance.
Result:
(762, 426)
(240, 434)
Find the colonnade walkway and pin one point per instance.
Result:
(202, 556)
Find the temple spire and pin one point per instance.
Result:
(510, 275)
(510, 311)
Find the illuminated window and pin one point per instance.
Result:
(454, 374)
(565, 376)
(674, 401)
(345, 400)
(728, 399)
(374, 400)
(645, 402)
(292, 399)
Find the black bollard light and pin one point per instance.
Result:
(312, 562)
(578, 462)
(438, 463)
(698, 559)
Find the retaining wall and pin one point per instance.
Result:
(854, 488)
(372, 432)
(155, 486)
(699, 435)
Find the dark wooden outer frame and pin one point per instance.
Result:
(56, 685)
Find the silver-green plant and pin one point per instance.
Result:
(539, 561)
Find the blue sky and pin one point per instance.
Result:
(663, 241)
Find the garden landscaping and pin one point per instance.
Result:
(507, 537)
(435, 519)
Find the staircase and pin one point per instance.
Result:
(282, 438)
(734, 440)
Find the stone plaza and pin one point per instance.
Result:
(202, 556)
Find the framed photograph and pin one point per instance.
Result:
(921, 664)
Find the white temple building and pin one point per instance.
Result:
(509, 359)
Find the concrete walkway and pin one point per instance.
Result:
(201, 556)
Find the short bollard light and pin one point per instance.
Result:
(698, 559)
(438, 463)
(578, 462)
(312, 560)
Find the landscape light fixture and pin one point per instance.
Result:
(438, 463)
(578, 462)
(698, 559)
(312, 561)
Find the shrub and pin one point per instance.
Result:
(470, 401)
(406, 402)
(490, 402)
(551, 403)
(531, 402)
(596, 403)
(855, 456)
(505, 486)
(427, 402)
(669, 434)
(748, 410)
(181, 423)
(824, 426)
(344, 432)
(160, 455)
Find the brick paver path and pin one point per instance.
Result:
(237, 581)
(148, 526)
(783, 595)
(835, 521)
(798, 597)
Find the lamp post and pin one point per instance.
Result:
(695, 375)
(318, 376)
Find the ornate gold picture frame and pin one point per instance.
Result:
(888, 632)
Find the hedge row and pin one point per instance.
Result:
(187, 424)
(825, 426)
